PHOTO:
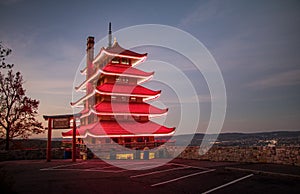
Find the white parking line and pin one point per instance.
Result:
(225, 185)
(137, 166)
(159, 171)
(198, 167)
(182, 177)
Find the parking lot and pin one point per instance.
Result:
(177, 176)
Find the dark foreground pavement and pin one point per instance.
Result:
(177, 176)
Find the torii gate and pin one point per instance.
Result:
(61, 122)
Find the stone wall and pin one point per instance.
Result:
(263, 154)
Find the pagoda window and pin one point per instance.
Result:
(122, 117)
(133, 99)
(114, 98)
(115, 60)
(125, 61)
(124, 99)
(125, 80)
(122, 80)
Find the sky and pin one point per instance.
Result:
(255, 44)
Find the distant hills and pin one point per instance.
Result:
(278, 138)
(244, 139)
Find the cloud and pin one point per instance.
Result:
(289, 78)
(203, 13)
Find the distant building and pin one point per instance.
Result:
(114, 104)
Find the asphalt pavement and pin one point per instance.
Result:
(146, 176)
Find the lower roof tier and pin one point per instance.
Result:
(120, 129)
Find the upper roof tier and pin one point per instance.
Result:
(117, 51)
(125, 70)
(117, 70)
(120, 90)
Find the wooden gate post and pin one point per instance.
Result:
(74, 141)
(49, 140)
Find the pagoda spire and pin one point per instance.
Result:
(109, 36)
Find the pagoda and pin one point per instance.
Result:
(114, 105)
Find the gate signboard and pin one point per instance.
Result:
(61, 123)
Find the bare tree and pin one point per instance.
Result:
(4, 52)
(18, 111)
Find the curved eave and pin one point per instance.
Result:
(69, 134)
(81, 100)
(115, 129)
(133, 135)
(145, 97)
(83, 71)
(141, 78)
(81, 132)
(83, 84)
(116, 113)
(85, 135)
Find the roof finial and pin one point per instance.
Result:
(109, 36)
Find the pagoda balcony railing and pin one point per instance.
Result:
(131, 145)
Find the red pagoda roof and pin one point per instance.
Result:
(122, 129)
(130, 90)
(129, 108)
(120, 70)
(80, 132)
(120, 89)
(116, 49)
(126, 70)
